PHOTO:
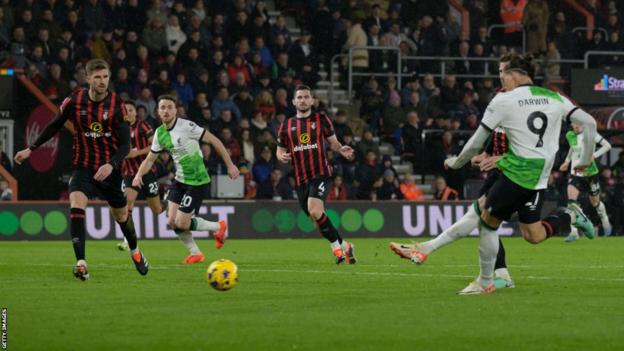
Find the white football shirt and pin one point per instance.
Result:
(531, 117)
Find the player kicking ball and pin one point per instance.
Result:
(141, 138)
(419, 253)
(181, 138)
(102, 141)
(531, 117)
(301, 139)
(586, 180)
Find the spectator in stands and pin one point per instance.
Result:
(275, 187)
(225, 121)
(211, 162)
(6, 194)
(247, 147)
(244, 101)
(366, 175)
(372, 103)
(154, 36)
(303, 53)
(162, 84)
(258, 124)
(552, 68)
(5, 161)
(450, 93)
(356, 37)
(366, 145)
(393, 119)
(433, 98)
(57, 86)
(390, 188)
(223, 102)
(280, 29)
(340, 125)
(467, 106)
(414, 103)
(263, 166)
(197, 106)
(511, 12)
(535, 20)
(282, 66)
(174, 34)
(410, 189)
(375, 18)
(183, 89)
(386, 165)
(615, 44)
(411, 139)
(337, 191)
(443, 191)
(282, 103)
(239, 66)
(463, 66)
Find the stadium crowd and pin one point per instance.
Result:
(234, 70)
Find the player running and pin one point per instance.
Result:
(99, 147)
(181, 138)
(486, 161)
(301, 139)
(141, 137)
(531, 117)
(586, 180)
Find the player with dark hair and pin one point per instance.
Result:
(301, 139)
(181, 138)
(101, 143)
(141, 138)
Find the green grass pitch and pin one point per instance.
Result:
(291, 296)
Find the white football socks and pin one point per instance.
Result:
(203, 224)
(459, 229)
(488, 248)
(602, 212)
(187, 238)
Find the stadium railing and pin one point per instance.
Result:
(443, 64)
(590, 53)
(351, 74)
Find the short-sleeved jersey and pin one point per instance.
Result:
(531, 117)
(576, 147)
(304, 138)
(96, 122)
(140, 133)
(182, 142)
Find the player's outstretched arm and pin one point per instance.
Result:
(50, 130)
(471, 149)
(588, 123)
(209, 138)
(604, 146)
(143, 168)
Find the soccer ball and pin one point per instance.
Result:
(222, 274)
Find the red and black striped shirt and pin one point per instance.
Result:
(304, 138)
(140, 134)
(498, 143)
(97, 124)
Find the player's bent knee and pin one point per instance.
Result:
(530, 235)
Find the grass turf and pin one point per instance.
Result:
(291, 296)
